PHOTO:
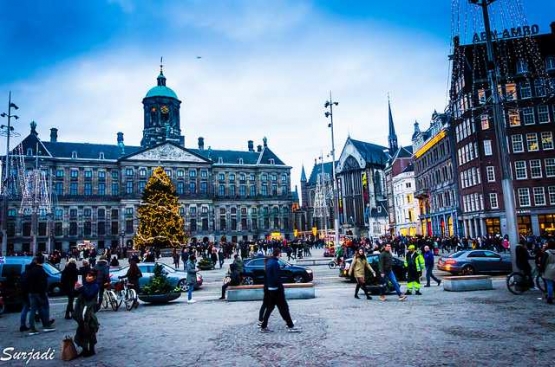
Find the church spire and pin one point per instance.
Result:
(303, 175)
(161, 78)
(392, 138)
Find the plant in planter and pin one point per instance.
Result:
(159, 288)
(205, 264)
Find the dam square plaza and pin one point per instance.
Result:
(382, 175)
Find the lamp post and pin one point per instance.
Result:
(329, 104)
(8, 129)
(500, 135)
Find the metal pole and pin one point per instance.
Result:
(7, 175)
(335, 193)
(501, 137)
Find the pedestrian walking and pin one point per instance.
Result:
(69, 278)
(24, 287)
(276, 294)
(191, 277)
(175, 257)
(133, 275)
(38, 298)
(85, 314)
(414, 262)
(83, 270)
(221, 257)
(387, 274)
(429, 263)
(548, 266)
(102, 277)
(358, 269)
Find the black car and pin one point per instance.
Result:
(255, 272)
(373, 283)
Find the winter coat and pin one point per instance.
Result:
(69, 277)
(103, 272)
(549, 265)
(87, 323)
(191, 272)
(37, 279)
(386, 262)
(273, 278)
(429, 259)
(414, 261)
(359, 267)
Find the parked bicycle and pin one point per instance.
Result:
(126, 294)
(518, 283)
(109, 299)
(335, 262)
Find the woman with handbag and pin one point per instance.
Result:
(358, 269)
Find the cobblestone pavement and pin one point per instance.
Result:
(439, 328)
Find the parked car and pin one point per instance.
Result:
(11, 269)
(176, 277)
(469, 262)
(255, 272)
(373, 283)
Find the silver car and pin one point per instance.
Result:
(177, 278)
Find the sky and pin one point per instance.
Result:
(244, 69)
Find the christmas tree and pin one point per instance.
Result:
(160, 224)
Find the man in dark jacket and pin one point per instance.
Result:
(38, 297)
(103, 276)
(386, 272)
(429, 262)
(234, 279)
(523, 263)
(275, 294)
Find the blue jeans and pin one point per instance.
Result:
(549, 284)
(24, 312)
(391, 277)
(39, 302)
(190, 292)
(430, 274)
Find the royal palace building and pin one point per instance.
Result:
(91, 192)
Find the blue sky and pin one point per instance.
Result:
(266, 69)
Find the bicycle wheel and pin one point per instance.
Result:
(516, 283)
(540, 283)
(105, 300)
(332, 264)
(113, 300)
(130, 299)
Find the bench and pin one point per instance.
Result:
(312, 262)
(467, 283)
(256, 292)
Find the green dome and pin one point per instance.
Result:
(161, 91)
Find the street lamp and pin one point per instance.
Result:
(329, 104)
(8, 131)
(500, 135)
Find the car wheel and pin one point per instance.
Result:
(248, 280)
(298, 279)
(182, 285)
(56, 289)
(467, 270)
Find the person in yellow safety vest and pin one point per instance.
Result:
(414, 262)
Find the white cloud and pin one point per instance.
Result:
(277, 89)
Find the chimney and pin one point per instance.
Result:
(53, 135)
(120, 142)
(265, 141)
(200, 143)
(552, 25)
(259, 148)
(251, 146)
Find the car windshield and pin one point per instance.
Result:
(457, 254)
(168, 268)
(50, 269)
(283, 262)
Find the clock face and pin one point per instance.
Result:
(164, 109)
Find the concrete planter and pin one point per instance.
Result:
(159, 298)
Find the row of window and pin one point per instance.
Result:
(440, 201)
(532, 143)
(521, 171)
(437, 176)
(252, 177)
(470, 177)
(508, 92)
(473, 202)
(467, 153)
(437, 153)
